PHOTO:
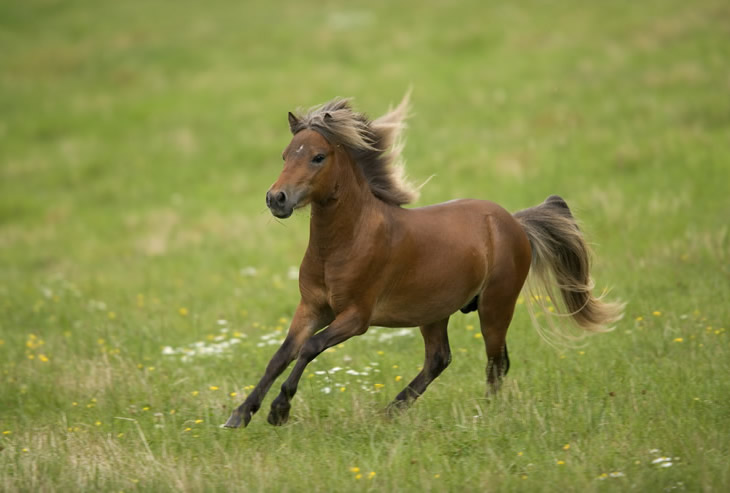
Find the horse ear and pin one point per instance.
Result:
(293, 122)
(327, 116)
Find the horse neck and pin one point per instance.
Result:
(336, 221)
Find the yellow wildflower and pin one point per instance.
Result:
(183, 311)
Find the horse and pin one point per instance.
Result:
(371, 261)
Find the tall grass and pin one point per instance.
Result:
(137, 140)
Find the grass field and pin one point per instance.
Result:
(144, 285)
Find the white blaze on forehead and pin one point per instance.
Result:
(299, 149)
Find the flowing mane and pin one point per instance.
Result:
(374, 145)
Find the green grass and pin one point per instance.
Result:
(137, 140)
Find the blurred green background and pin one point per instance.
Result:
(137, 141)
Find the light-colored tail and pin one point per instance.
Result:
(561, 258)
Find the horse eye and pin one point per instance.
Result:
(318, 158)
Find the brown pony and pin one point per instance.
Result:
(372, 262)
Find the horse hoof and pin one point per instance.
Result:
(278, 416)
(238, 418)
(233, 422)
(396, 408)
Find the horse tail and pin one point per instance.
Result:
(560, 256)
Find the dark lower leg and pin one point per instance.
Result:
(497, 367)
(279, 362)
(494, 319)
(305, 322)
(438, 357)
(339, 331)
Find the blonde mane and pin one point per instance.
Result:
(374, 145)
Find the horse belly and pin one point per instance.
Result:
(433, 288)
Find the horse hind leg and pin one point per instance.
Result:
(495, 314)
(438, 357)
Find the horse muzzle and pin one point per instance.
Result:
(279, 203)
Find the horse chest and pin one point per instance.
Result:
(344, 285)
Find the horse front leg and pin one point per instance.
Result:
(345, 326)
(303, 325)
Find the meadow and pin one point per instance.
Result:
(144, 285)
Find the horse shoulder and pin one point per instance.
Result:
(354, 274)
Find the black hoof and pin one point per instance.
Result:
(279, 415)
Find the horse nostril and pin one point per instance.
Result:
(281, 198)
